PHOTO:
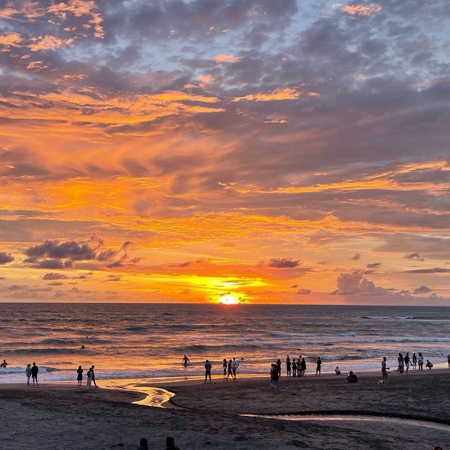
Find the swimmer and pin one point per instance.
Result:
(185, 361)
(4, 364)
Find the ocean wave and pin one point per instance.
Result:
(46, 351)
(10, 370)
(390, 317)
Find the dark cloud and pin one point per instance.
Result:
(54, 276)
(356, 257)
(55, 283)
(50, 264)
(373, 265)
(113, 278)
(83, 276)
(53, 249)
(414, 256)
(6, 258)
(284, 263)
(435, 270)
(304, 291)
(422, 290)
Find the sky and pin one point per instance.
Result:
(233, 151)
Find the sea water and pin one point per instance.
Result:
(149, 340)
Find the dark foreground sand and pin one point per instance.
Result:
(56, 416)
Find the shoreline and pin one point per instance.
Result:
(214, 413)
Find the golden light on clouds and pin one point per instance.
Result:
(359, 10)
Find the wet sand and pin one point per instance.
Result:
(208, 416)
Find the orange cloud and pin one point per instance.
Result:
(277, 94)
(226, 59)
(359, 10)
(8, 40)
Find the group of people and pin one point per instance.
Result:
(90, 377)
(170, 444)
(32, 371)
(295, 368)
(229, 368)
(405, 362)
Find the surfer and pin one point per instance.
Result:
(4, 364)
(185, 361)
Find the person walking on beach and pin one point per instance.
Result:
(235, 365)
(384, 373)
(420, 361)
(79, 375)
(170, 444)
(319, 366)
(89, 378)
(414, 361)
(34, 373)
(185, 361)
(288, 366)
(28, 373)
(303, 367)
(93, 376)
(208, 368)
(407, 362)
(274, 376)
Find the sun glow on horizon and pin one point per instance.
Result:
(229, 299)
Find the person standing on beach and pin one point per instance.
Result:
(34, 373)
(224, 367)
(89, 378)
(414, 361)
(274, 376)
(407, 362)
(288, 366)
(185, 361)
(303, 367)
(208, 368)
(28, 373)
(230, 369)
(319, 366)
(384, 373)
(420, 361)
(235, 365)
(294, 368)
(401, 363)
(79, 375)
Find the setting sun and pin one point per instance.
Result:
(229, 299)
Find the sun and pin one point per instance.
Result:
(229, 299)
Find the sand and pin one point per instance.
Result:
(62, 415)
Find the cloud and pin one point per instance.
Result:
(6, 258)
(76, 251)
(51, 264)
(275, 95)
(284, 263)
(113, 278)
(54, 276)
(422, 290)
(355, 283)
(83, 276)
(56, 283)
(304, 291)
(356, 257)
(435, 270)
(359, 10)
(373, 265)
(226, 59)
(414, 256)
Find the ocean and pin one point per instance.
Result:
(149, 340)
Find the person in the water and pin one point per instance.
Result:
(185, 361)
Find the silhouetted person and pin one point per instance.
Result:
(288, 366)
(319, 366)
(28, 373)
(429, 364)
(79, 375)
(93, 376)
(143, 444)
(337, 371)
(235, 365)
(4, 364)
(34, 373)
(352, 378)
(302, 367)
(170, 443)
(185, 361)
(208, 367)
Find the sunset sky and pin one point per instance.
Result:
(245, 151)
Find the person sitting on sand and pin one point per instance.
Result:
(274, 376)
(4, 364)
(170, 444)
(34, 373)
(185, 361)
(319, 366)
(143, 444)
(352, 378)
(429, 364)
(337, 371)
(208, 367)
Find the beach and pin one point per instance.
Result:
(200, 416)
